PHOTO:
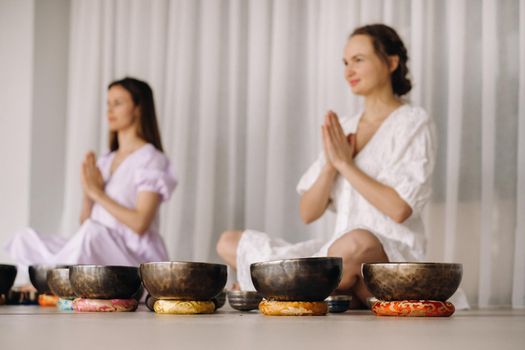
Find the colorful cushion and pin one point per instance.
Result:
(293, 308)
(184, 307)
(47, 300)
(413, 308)
(103, 305)
(65, 304)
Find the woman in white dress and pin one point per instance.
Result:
(374, 171)
(122, 193)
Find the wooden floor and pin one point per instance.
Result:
(33, 327)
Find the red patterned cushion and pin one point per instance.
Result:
(102, 305)
(413, 308)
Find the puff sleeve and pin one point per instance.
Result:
(409, 169)
(156, 176)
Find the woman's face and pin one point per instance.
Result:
(365, 71)
(122, 112)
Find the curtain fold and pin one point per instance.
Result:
(518, 291)
(489, 80)
(241, 89)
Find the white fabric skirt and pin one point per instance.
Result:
(93, 243)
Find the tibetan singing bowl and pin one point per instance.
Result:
(220, 299)
(104, 282)
(7, 278)
(58, 282)
(38, 277)
(243, 300)
(179, 280)
(304, 279)
(412, 281)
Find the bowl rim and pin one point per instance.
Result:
(101, 266)
(339, 298)
(43, 266)
(194, 263)
(280, 261)
(59, 269)
(244, 293)
(415, 263)
(8, 266)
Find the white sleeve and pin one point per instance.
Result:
(311, 175)
(409, 171)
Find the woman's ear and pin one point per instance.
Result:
(137, 112)
(393, 63)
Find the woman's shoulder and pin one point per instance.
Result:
(414, 115)
(152, 158)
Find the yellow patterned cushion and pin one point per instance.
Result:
(183, 307)
(293, 308)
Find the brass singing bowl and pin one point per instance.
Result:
(58, 282)
(38, 276)
(302, 279)
(243, 300)
(412, 280)
(104, 282)
(7, 277)
(181, 280)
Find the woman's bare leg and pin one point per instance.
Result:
(357, 247)
(27, 288)
(227, 246)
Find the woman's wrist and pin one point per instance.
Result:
(329, 170)
(86, 199)
(348, 169)
(98, 195)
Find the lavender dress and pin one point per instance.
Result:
(102, 239)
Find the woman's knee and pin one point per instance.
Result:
(355, 246)
(227, 242)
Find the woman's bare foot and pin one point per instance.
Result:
(26, 288)
(355, 303)
(235, 286)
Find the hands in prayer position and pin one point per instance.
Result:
(339, 149)
(92, 180)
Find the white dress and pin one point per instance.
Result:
(102, 239)
(401, 154)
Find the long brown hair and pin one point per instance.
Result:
(142, 96)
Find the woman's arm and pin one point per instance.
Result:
(383, 197)
(85, 212)
(87, 203)
(138, 219)
(340, 152)
(315, 201)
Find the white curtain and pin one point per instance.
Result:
(241, 88)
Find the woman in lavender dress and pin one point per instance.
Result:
(123, 190)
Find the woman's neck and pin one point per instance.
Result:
(380, 104)
(129, 141)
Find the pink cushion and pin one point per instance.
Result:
(102, 305)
